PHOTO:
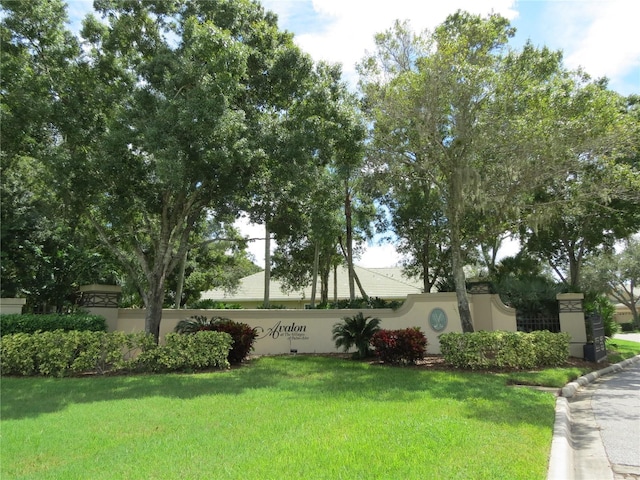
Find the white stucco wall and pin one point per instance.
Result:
(309, 331)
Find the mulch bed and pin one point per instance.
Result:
(437, 363)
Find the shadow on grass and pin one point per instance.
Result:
(486, 397)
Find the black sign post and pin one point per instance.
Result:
(596, 351)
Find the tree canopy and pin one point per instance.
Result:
(617, 274)
(158, 120)
(509, 141)
(130, 147)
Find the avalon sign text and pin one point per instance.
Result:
(292, 331)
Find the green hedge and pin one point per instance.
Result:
(31, 323)
(627, 327)
(202, 350)
(482, 350)
(61, 353)
(552, 349)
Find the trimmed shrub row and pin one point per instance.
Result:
(480, 350)
(31, 323)
(200, 351)
(61, 353)
(400, 346)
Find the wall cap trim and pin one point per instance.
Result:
(95, 287)
(569, 296)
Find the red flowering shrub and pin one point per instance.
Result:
(243, 335)
(400, 346)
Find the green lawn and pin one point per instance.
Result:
(618, 349)
(280, 417)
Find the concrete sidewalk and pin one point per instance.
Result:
(597, 428)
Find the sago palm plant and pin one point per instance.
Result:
(355, 331)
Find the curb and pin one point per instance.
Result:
(570, 389)
(561, 459)
(561, 465)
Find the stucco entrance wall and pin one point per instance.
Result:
(309, 331)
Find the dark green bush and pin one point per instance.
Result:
(479, 350)
(196, 323)
(403, 347)
(61, 353)
(530, 294)
(361, 303)
(242, 334)
(595, 304)
(627, 327)
(31, 323)
(355, 331)
(210, 304)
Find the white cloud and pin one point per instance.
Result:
(379, 256)
(257, 233)
(600, 36)
(348, 26)
(509, 248)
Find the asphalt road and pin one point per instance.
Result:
(605, 425)
(616, 408)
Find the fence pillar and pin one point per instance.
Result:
(572, 321)
(480, 293)
(102, 300)
(12, 305)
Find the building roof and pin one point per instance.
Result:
(386, 283)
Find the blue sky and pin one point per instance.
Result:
(601, 36)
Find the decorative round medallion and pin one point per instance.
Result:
(438, 319)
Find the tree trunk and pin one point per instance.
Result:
(456, 204)
(575, 264)
(634, 305)
(362, 292)
(314, 284)
(426, 279)
(349, 246)
(335, 284)
(153, 314)
(461, 290)
(490, 254)
(180, 285)
(267, 265)
(324, 287)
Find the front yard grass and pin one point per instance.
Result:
(618, 349)
(279, 417)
